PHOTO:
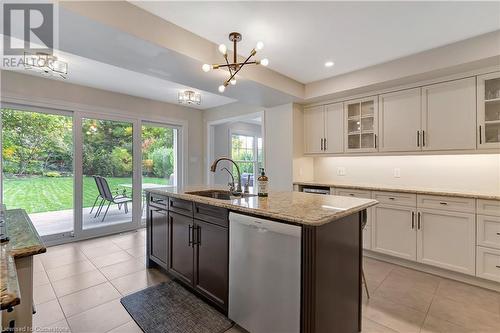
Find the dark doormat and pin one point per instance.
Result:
(170, 308)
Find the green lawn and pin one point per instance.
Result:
(44, 194)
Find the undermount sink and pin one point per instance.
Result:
(220, 194)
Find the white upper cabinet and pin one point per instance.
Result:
(334, 128)
(314, 129)
(449, 115)
(361, 125)
(324, 129)
(488, 110)
(400, 121)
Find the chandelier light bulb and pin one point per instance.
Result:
(259, 46)
(206, 68)
(264, 62)
(223, 49)
(222, 88)
(233, 82)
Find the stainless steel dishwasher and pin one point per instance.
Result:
(264, 274)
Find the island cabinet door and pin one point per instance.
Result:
(394, 231)
(212, 255)
(159, 235)
(181, 263)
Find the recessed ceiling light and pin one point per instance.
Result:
(329, 64)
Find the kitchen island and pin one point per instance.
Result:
(191, 234)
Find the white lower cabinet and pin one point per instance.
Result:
(488, 263)
(393, 231)
(446, 239)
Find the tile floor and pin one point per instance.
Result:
(78, 287)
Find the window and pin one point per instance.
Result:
(247, 152)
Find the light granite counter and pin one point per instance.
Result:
(23, 241)
(296, 207)
(406, 189)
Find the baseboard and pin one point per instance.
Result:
(492, 285)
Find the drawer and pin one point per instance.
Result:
(158, 201)
(367, 237)
(488, 207)
(208, 213)
(456, 204)
(181, 206)
(396, 198)
(353, 193)
(488, 263)
(488, 231)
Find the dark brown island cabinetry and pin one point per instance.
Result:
(190, 242)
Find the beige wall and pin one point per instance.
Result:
(474, 173)
(27, 89)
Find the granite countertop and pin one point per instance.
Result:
(23, 241)
(295, 207)
(406, 189)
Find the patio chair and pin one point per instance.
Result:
(107, 196)
(98, 196)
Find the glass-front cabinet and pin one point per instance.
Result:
(361, 124)
(488, 108)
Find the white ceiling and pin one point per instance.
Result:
(95, 74)
(300, 37)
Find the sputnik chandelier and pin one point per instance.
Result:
(235, 66)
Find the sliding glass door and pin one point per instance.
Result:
(159, 157)
(37, 167)
(107, 172)
(81, 174)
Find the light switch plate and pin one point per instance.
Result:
(340, 171)
(397, 173)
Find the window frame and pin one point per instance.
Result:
(255, 149)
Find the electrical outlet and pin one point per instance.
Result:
(340, 171)
(397, 173)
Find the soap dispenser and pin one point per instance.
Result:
(262, 182)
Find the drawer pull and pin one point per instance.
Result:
(443, 203)
(498, 233)
(391, 198)
(351, 194)
(498, 266)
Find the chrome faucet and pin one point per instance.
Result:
(213, 168)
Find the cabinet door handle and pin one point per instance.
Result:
(498, 233)
(391, 198)
(322, 144)
(190, 235)
(480, 136)
(418, 138)
(498, 266)
(418, 221)
(423, 138)
(443, 203)
(198, 235)
(375, 142)
(412, 220)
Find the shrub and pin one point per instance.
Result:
(53, 174)
(163, 162)
(121, 161)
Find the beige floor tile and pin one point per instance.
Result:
(122, 268)
(43, 293)
(51, 262)
(101, 250)
(59, 327)
(47, 313)
(483, 299)
(375, 272)
(110, 259)
(139, 280)
(395, 316)
(37, 264)
(78, 282)
(436, 325)
(94, 242)
(464, 315)
(130, 327)
(62, 272)
(130, 242)
(88, 298)
(102, 318)
(370, 326)
(138, 251)
(40, 278)
(420, 281)
(236, 329)
(405, 291)
(61, 250)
